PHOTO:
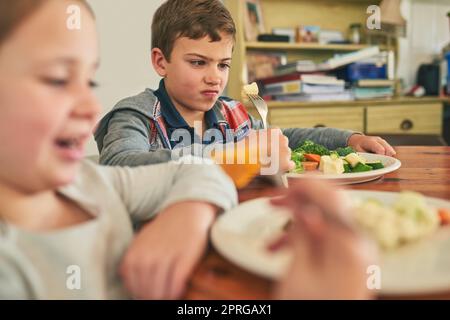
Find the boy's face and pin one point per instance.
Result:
(197, 72)
(47, 109)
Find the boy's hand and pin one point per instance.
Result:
(164, 253)
(277, 145)
(260, 149)
(330, 261)
(282, 150)
(362, 143)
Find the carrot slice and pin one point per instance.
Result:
(312, 157)
(310, 165)
(444, 216)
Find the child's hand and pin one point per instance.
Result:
(261, 149)
(276, 146)
(280, 148)
(330, 261)
(162, 256)
(362, 143)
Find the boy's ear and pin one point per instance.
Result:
(159, 62)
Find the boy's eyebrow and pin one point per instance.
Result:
(204, 57)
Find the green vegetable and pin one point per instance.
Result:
(345, 151)
(334, 155)
(298, 168)
(298, 158)
(310, 147)
(375, 165)
(360, 167)
(347, 168)
(353, 159)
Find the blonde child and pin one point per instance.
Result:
(62, 217)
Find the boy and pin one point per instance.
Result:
(192, 44)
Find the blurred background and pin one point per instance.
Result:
(378, 67)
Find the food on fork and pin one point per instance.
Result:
(250, 89)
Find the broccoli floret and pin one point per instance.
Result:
(298, 158)
(298, 168)
(334, 155)
(310, 147)
(345, 151)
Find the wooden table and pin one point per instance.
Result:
(424, 169)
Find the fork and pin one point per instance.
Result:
(261, 106)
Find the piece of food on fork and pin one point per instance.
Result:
(250, 94)
(250, 89)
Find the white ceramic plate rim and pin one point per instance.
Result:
(241, 256)
(357, 175)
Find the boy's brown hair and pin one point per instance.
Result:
(13, 12)
(194, 19)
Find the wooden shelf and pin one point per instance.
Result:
(391, 101)
(305, 46)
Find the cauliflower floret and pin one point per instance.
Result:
(408, 219)
(249, 89)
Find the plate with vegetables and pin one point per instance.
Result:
(341, 166)
(412, 232)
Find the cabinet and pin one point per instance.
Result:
(397, 116)
(344, 117)
(407, 116)
(405, 119)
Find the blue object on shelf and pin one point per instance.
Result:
(358, 71)
(447, 57)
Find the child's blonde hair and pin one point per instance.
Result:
(194, 19)
(14, 12)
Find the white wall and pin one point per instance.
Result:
(124, 29)
(428, 32)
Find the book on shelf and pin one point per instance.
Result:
(287, 87)
(322, 88)
(308, 66)
(378, 59)
(302, 66)
(370, 83)
(373, 93)
(289, 77)
(322, 80)
(307, 84)
(347, 58)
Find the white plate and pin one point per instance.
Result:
(241, 235)
(390, 164)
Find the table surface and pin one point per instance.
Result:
(424, 169)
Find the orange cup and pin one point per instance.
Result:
(239, 162)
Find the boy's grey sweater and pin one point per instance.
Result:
(123, 135)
